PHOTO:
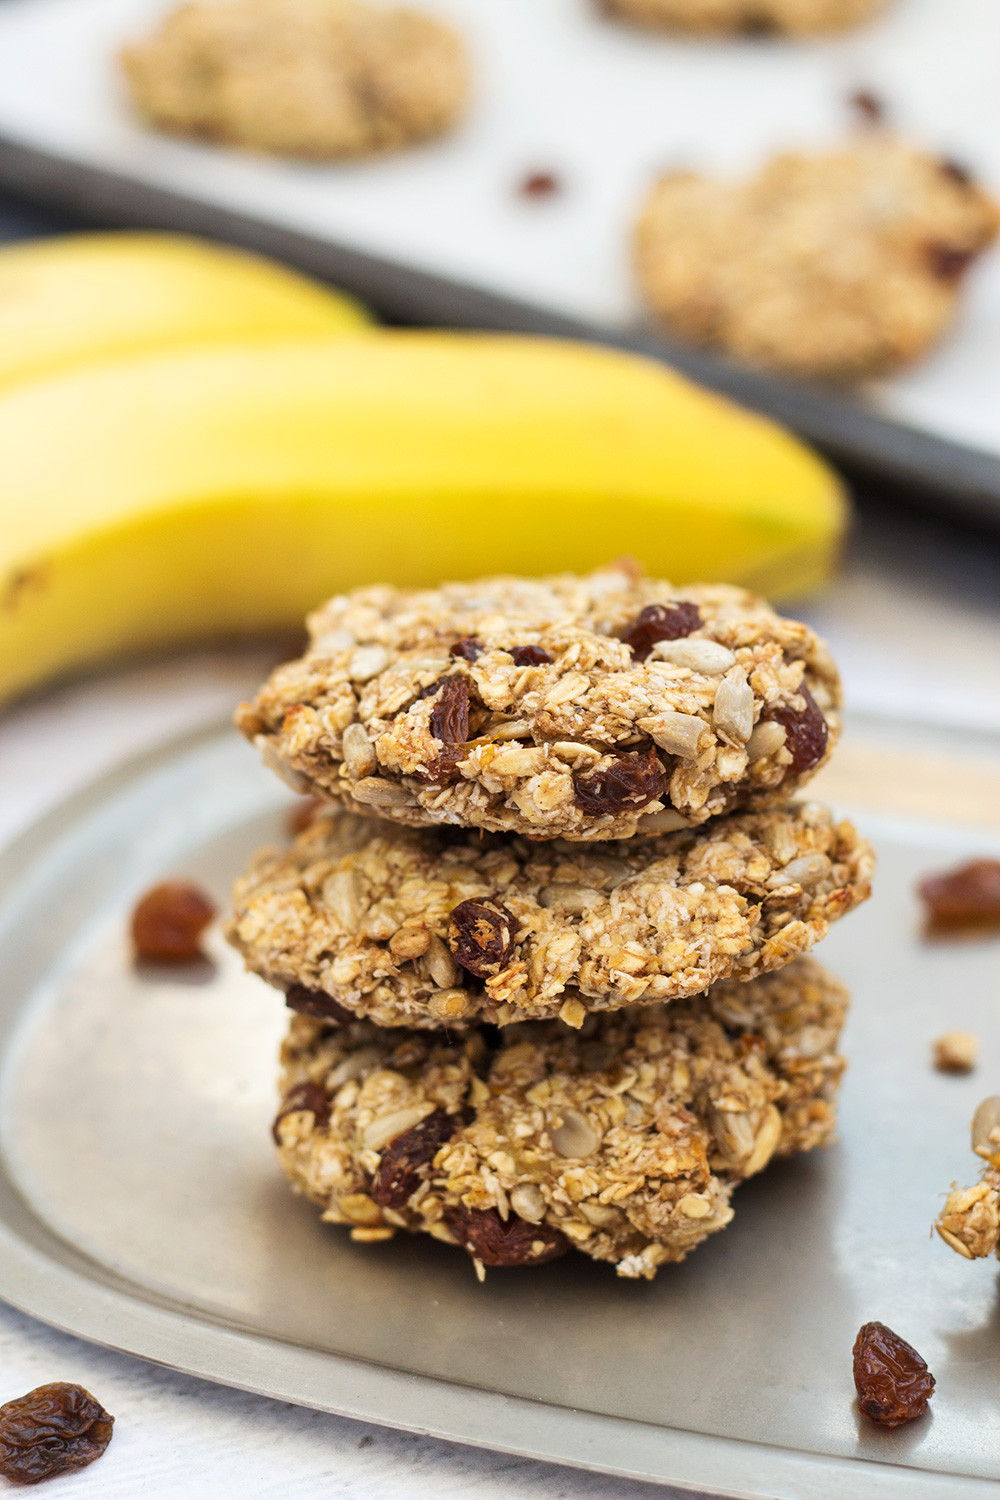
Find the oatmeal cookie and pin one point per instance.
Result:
(745, 17)
(838, 266)
(565, 707)
(311, 78)
(434, 927)
(624, 1139)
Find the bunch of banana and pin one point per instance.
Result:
(197, 444)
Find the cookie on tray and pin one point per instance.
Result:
(439, 927)
(970, 1220)
(310, 78)
(623, 1140)
(582, 708)
(837, 265)
(745, 17)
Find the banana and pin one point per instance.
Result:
(80, 298)
(220, 492)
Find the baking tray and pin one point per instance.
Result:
(141, 1207)
(438, 235)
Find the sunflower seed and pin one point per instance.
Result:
(575, 898)
(527, 1202)
(767, 738)
(440, 965)
(574, 1135)
(379, 793)
(678, 734)
(367, 662)
(732, 713)
(385, 1129)
(667, 820)
(344, 893)
(986, 1128)
(807, 870)
(768, 1136)
(359, 752)
(706, 657)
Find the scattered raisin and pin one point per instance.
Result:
(401, 1170)
(893, 1383)
(450, 714)
(495, 1242)
(868, 106)
(539, 185)
(319, 1004)
(956, 171)
(529, 656)
(949, 261)
(757, 23)
(806, 733)
(467, 649)
(307, 1095)
(51, 1430)
(968, 897)
(302, 814)
(633, 779)
(661, 622)
(481, 936)
(168, 923)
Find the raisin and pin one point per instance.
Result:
(467, 649)
(968, 897)
(168, 923)
(51, 1430)
(868, 105)
(539, 185)
(806, 733)
(401, 1170)
(307, 1095)
(303, 813)
(443, 768)
(661, 622)
(496, 1242)
(481, 936)
(893, 1383)
(319, 1004)
(947, 262)
(450, 714)
(529, 656)
(633, 779)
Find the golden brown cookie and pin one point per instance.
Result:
(562, 707)
(312, 78)
(836, 265)
(745, 17)
(430, 928)
(624, 1140)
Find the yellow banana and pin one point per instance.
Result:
(81, 298)
(224, 491)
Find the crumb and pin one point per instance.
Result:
(956, 1052)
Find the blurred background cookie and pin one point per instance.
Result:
(839, 265)
(747, 17)
(312, 78)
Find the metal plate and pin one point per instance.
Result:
(140, 1204)
(440, 236)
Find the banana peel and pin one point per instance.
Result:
(222, 492)
(78, 299)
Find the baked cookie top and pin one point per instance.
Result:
(623, 1140)
(432, 928)
(565, 707)
(312, 78)
(838, 265)
(744, 17)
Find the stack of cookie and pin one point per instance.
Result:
(544, 935)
